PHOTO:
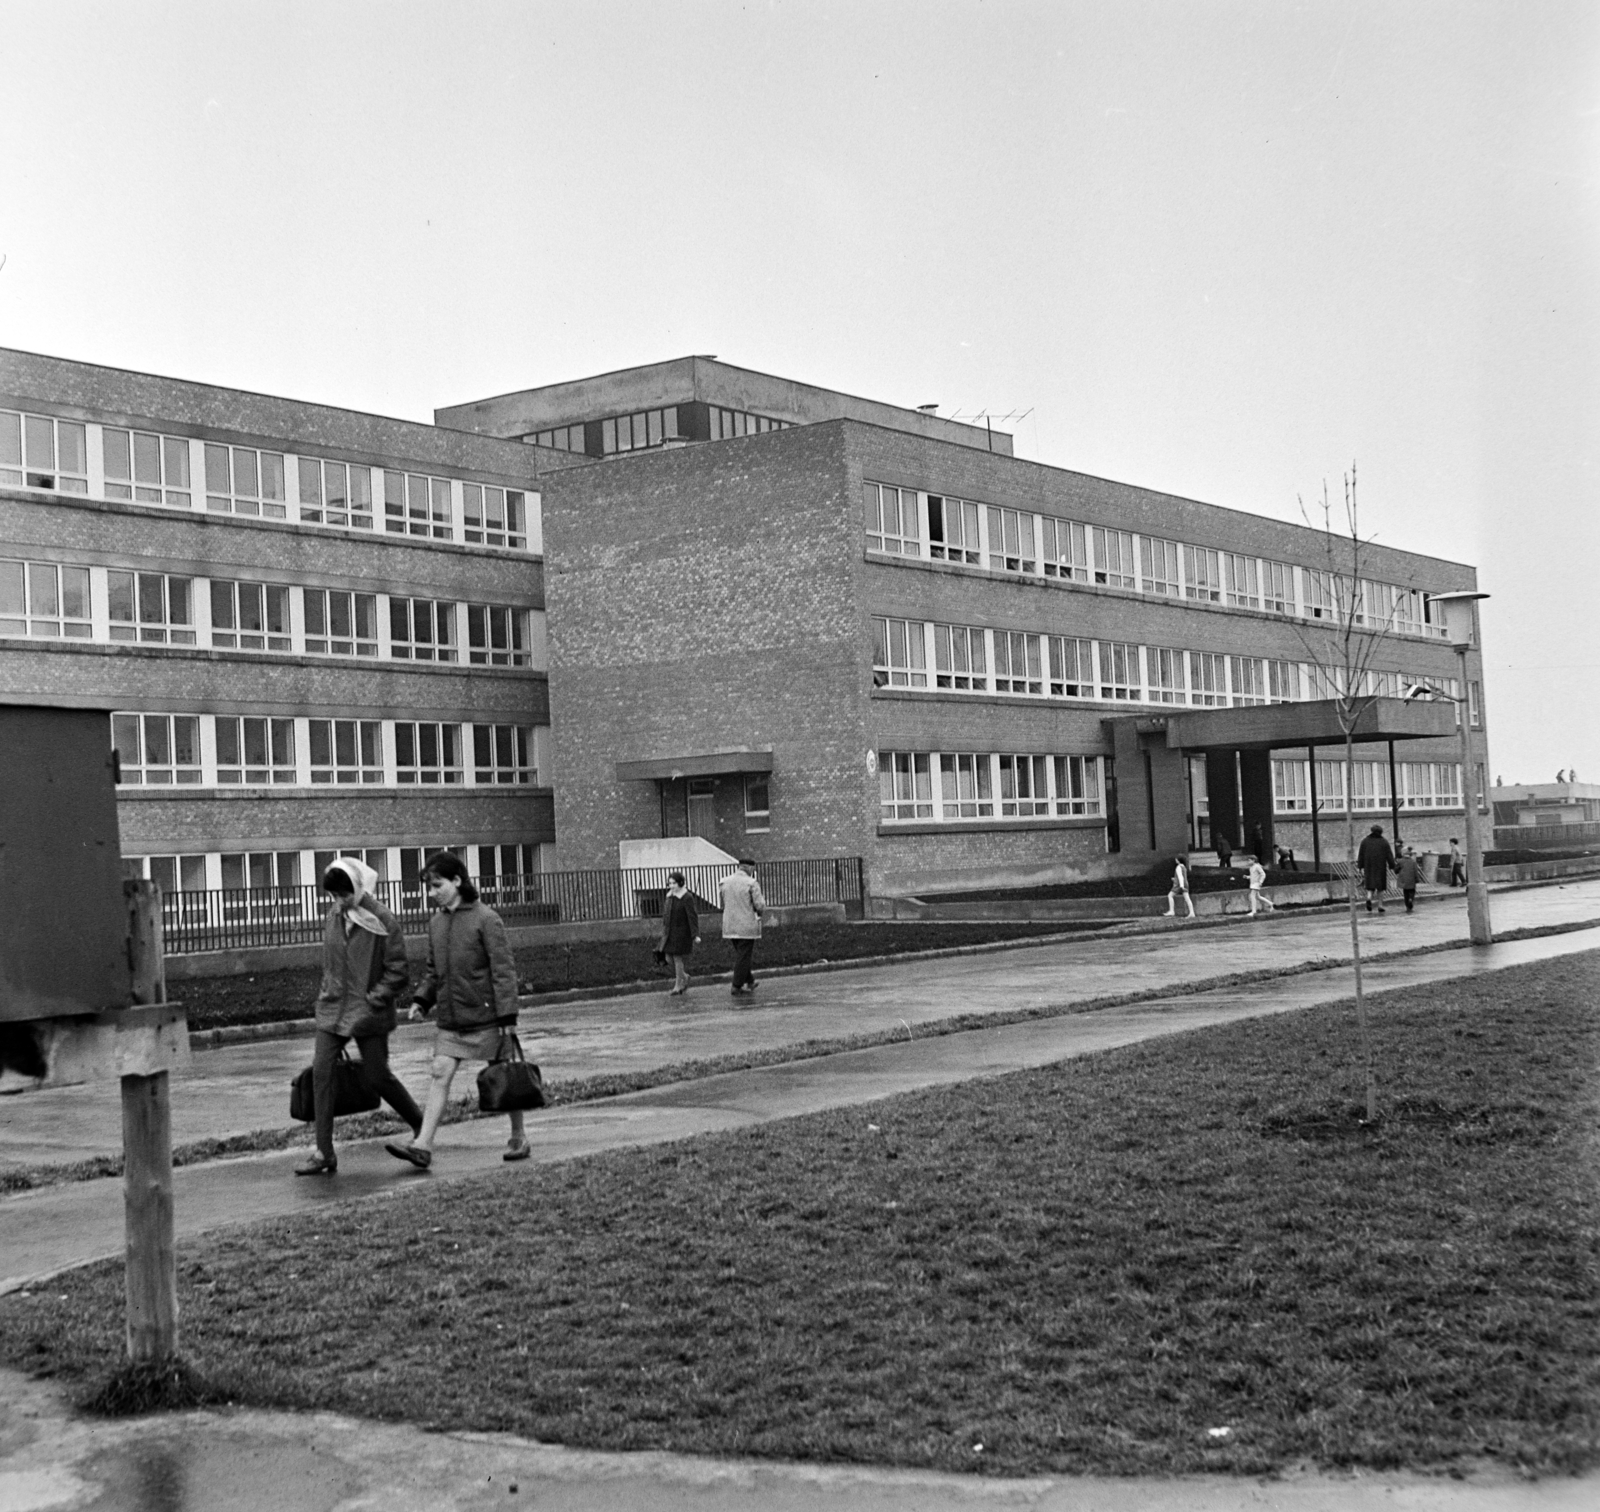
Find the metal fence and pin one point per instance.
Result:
(242, 917)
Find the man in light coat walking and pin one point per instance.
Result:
(742, 903)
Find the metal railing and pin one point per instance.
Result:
(242, 917)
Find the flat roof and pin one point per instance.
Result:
(1266, 727)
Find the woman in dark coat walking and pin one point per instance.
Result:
(680, 931)
(363, 969)
(1376, 861)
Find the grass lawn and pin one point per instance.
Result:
(1185, 1255)
(273, 996)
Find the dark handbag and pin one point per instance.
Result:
(350, 1094)
(508, 1084)
(660, 955)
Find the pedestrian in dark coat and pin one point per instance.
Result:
(1407, 873)
(680, 931)
(471, 982)
(1376, 861)
(363, 970)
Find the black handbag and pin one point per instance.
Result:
(509, 1084)
(350, 1094)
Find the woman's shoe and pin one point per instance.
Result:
(417, 1156)
(317, 1165)
(517, 1150)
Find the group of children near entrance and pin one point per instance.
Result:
(469, 985)
(1374, 857)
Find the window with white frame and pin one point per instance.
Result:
(260, 871)
(1012, 545)
(1208, 679)
(1319, 594)
(340, 623)
(416, 504)
(377, 859)
(255, 751)
(497, 635)
(157, 750)
(37, 451)
(1202, 574)
(757, 803)
(899, 654)
(150, 607)
(1071, 667)
(1330, 786)
(1283, 682)
(1115, 565)
(346, 750)
(1242, 579)
(1077, 786)
(727, 423)
(891, 519)
(1380, 684)
(249, 616)
(1277, 587)
(1475, 704)
(1158, 566)
(335, 493)
(502, 754)
(1064, 548)
(567, 438)
(1165, 667)
(1119, 671)
(1430, 784)
(427, 753)
(1291, 792)
(1249, 680)
(44, 600)
(905, 786)
(1024, 786)
(174, 874)
(960, 658)
(422, 629)
(647, 428)
(1371, 779)
(146, 469)
(966, 786)
(1409, 618)
(953, 531)
(1018, 664)
(1322, 683)
(492, 516)
(242, 480)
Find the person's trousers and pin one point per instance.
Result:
(1458, 876)
(743, 953)
(375, 1073)
(1410, 895)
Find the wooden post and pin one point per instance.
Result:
(151, 1261)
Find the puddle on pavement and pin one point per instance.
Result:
(213, 1470)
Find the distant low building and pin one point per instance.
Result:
(1546, 814)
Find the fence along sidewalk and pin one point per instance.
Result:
(237, 918)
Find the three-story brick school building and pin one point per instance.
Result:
(684, 600)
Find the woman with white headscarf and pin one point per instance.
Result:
(363, 970)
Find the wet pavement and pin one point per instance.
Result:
(49, 1459)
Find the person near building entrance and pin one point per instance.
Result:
(1458, 867)
(680, 931)
(742, 902)
(1179, 888)
(472, 981)
(1259, 901)
(1224, 850)
(1407, 873)
(1376, 861)
(363, 969)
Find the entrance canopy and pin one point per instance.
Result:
(704, 764)
(1265, 727)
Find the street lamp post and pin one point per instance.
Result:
(1458, 618)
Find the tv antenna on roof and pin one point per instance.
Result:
(990, 419)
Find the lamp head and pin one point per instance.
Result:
(1457, 612)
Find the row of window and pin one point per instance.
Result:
(1421, 785)
(494, 866)
(176, 472)
(48, 601)
(651, 428)
(974, 659)
(944, 786)
(904, 522)
(159, 750)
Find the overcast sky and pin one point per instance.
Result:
(1218, 249)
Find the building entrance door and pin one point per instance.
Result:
(703, 806)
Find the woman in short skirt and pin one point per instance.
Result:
(471, 981)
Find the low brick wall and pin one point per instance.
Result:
(215, 963)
